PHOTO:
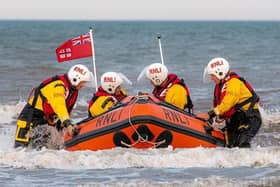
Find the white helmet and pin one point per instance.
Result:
(218, 67)
(110, 81)
(79, 73)
(157, 73)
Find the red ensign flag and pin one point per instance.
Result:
(74, 48)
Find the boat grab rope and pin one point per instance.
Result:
(141, 139)
(155, 144)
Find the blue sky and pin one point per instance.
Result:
(141, 9)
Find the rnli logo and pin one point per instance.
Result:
(110, 118)
(80, 70)
(176, 117)
(217, 63)
(155, 70)
(109, 79)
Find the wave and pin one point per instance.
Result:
(270, 116)
(134, 158)
(264, 155)
(267, 90)
(9, 112)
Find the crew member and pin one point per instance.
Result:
(109, 94)
(51, 103)
(169, 87)
(236, 102)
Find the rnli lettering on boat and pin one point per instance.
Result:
(176, 117)
(217, 63)
(155, 70)
(109, 118)
(109, 79)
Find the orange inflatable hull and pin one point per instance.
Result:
(144, 122)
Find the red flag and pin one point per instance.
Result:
(74, 48)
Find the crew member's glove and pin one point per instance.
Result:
(218, 123)
(211, 115)
(72, 129)
(67, 123)
(75, 131)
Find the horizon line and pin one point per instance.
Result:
(151, 20)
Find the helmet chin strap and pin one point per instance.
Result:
(73, 87)
(163, 84)
(226, 76)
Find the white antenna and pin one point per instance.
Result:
(93, 57)
(160, 49)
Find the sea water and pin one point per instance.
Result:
(27, 56)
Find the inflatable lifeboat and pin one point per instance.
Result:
(143, 122)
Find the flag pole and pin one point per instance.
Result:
(93, 58)
(160, 49)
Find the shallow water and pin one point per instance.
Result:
(27, 57)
